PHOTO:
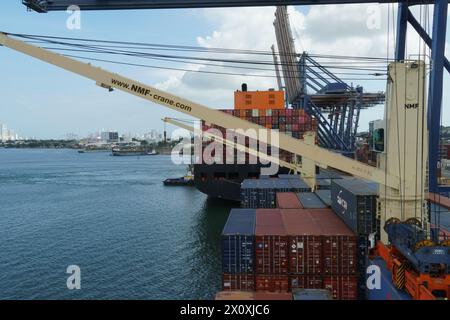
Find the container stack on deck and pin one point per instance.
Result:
(261, 193)
(238, 250)
(354, 201)
(293, 122)
(293, 249)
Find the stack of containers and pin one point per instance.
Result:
(355, 202)
(322, 252)
(280, 250)
(261, 193)
(238, 250)
(289, 121)
(271, 252)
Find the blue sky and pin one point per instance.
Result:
(43, 101)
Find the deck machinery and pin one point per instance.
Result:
(418, 261)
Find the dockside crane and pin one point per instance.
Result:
(401, 174)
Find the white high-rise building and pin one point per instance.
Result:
(3, 130)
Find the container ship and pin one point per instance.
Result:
(266, 108)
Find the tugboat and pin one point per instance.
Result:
(186, 180)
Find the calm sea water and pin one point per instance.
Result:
(132, 237)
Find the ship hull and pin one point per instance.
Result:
(223, 181)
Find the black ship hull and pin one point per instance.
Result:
(224, 180)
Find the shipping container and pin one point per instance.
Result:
(355, 202)
(245, 295)
(311, 294)
(328, 174)
(261, 193)
(281, 185)
(319, 243)
(339, 243)
(325, 196)
(266, 193)
(364, 244)
(305, 282)
(286, 176)
(288, 200)
(342, 287)
(305, 242)
(242, 282)
(238, 241)
(234, 295)
(323, 184)
(271, 247)
(249, 193)
(310, 201)
(272, 282)
(299, 185)
(272, 296)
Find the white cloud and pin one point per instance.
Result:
(332, 29)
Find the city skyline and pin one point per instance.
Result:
(9, 134)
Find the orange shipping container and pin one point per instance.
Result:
(259, 100)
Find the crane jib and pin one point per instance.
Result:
(145, 92)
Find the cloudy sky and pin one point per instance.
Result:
(41, 100)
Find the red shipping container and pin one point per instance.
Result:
(288, 200)
(271, 247)
(342, 287)
(241, 282)
(272, 283)
(339, 243)
(272, 296)
(305, 242)
(305, 282)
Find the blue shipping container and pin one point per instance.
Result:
(325, 196)
(311, 294)
(299, 185)
(355, 202)
(323, 184)
(310, 200)
(238, 242)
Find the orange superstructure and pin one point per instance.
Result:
(270, 99)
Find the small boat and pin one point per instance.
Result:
(183, 181)
(153, 153)
(132, 151)
(187, 180)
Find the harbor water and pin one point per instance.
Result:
(131, 236)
